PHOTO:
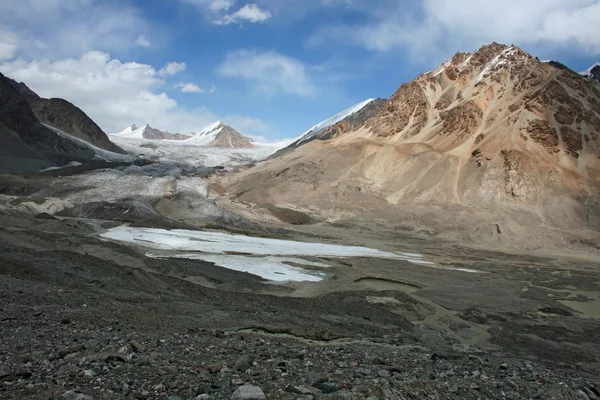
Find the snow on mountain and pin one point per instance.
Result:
(206, 135)
(592, 72)
(102, 154)
(333, 120)
(132, 132)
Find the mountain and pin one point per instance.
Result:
(342, 122)
(492, 143)
(593, 72)
(220, 135)
(147, 132)
(63, 115)
(27, 144)
(227, 137)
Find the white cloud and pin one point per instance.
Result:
(431, 26)
(70, 28)
(268, 72)
(172, 68)
(250, 13)
(188, 88)
(113, 93)
(142, 41)
(218, 5)
(212, 5)
(8, 45)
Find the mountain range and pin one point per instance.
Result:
(489, 132)
(216, 134)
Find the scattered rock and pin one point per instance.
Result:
(114, 358)
(214, 368)
(136, 346)
(298, 389)
(244, 363)
(326, 387)
(72, 395)
(248, 392)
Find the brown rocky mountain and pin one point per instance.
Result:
(227, 137)
(65, 116)
(157, 134)
(491, 145)
(28, 145)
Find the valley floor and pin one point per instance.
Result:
(85, 316)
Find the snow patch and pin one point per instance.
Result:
(257, 256)
(333, 120)
(500, 59)
(588, 72)
(100, 153)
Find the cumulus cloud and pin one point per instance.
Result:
(113, 93)
(189, 88)
(431, 26)
(250, 13)
(268, 72)
(172, 68)
(8, 45)
(58, 28)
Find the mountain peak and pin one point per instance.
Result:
(593, 72)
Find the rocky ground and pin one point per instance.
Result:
(83, 318)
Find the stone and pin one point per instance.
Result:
(248, 392)
(581, 395)
(590, 394)
(384, 373)
(326, 387)
(298, 390)
(214, 368)
(203, 396)
(244, 363)
(136, 346)
(509, 383)
(72, 395)
(113, 358)
(90, 372)
(504, 366)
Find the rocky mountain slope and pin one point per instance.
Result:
(347, 120)
(220, 135)
(148, 132)
(593, 72)
(507, 142)
(65, 116)
(28, 145)
(227, 137)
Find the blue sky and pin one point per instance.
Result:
(270, 68)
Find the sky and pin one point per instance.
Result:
(270, 68)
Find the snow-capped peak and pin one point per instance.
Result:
(132, 132)
(589, 72)
(333, 120)
(206, 135)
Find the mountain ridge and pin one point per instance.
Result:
(65, 116)
(493, 128)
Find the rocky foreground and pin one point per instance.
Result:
(82, 318)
